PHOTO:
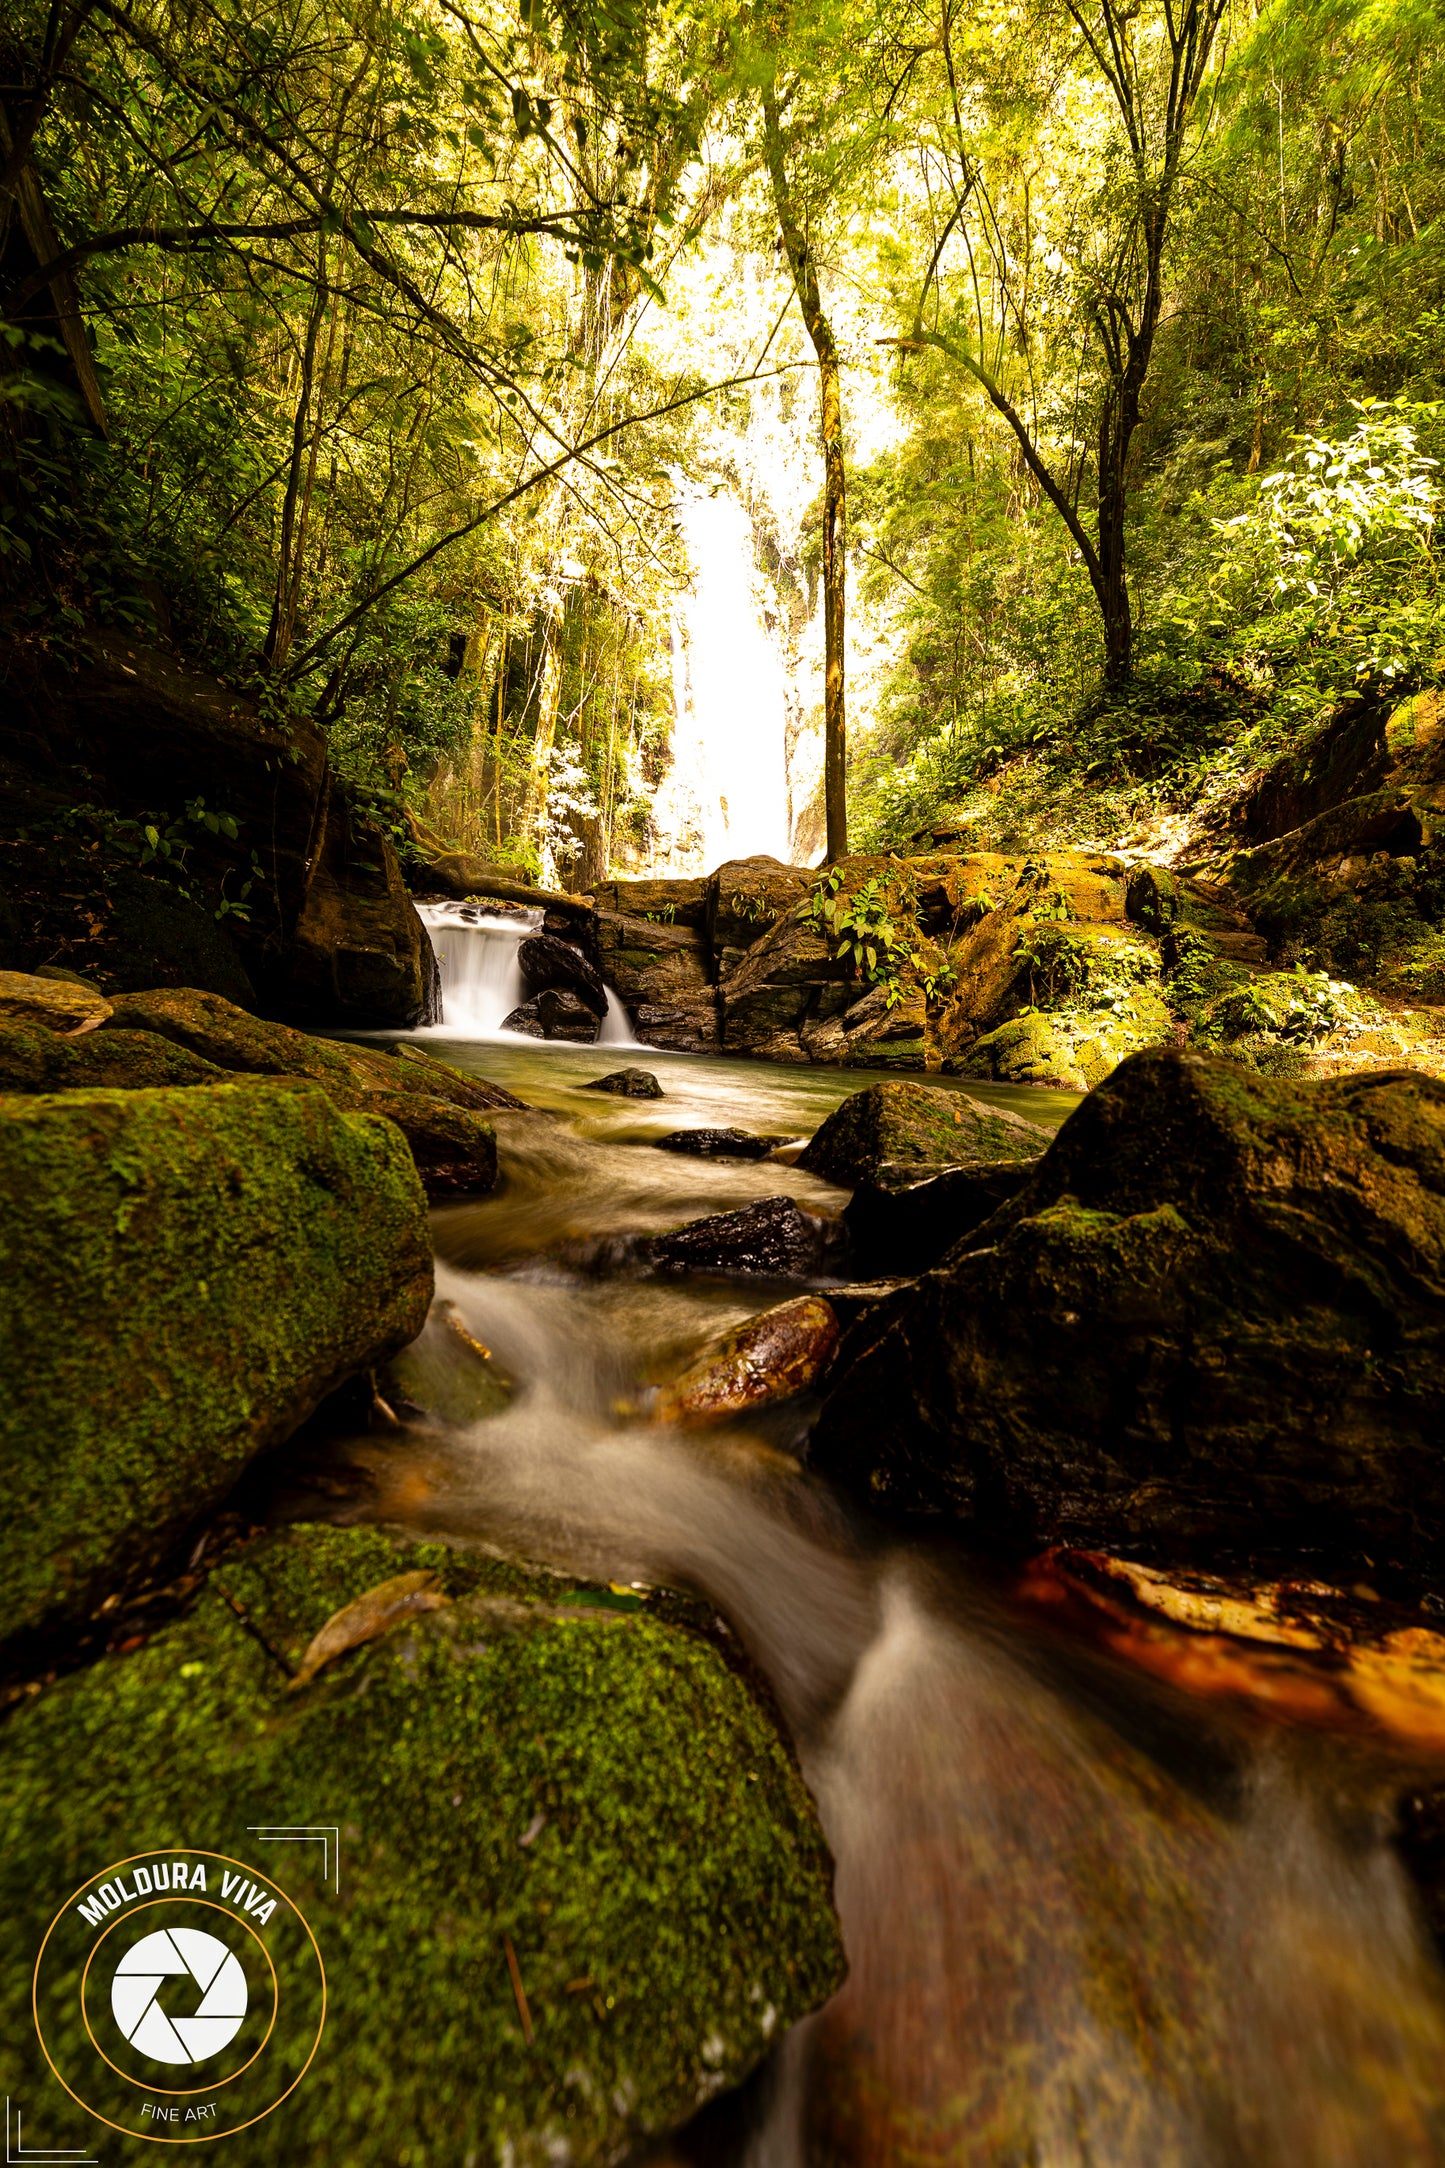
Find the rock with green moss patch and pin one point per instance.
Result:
(189, 1273)
(584, 1785)
(34, 1059)
(914, 1125)
(1070, 1049)
(1212, 1316)
(53, 1004)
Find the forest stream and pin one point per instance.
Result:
(1088, 1920)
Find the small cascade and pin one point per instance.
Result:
(481, 979)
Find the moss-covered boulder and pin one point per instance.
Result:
(921, 1125)
(440, 1111)
(1213, 1315)
(54, 1004)
(581, 1886)
(188, 1273)
(1069, 1049)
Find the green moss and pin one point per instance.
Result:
(199, 1268)
(595, 1786)
(34, 1059)
(1072, 1049)
(913, 1125)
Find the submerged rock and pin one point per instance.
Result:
(56, 1004)
(718, 1143)
(767, 1358)
(627, 1084)
(1214, 1314)
(200, 1268)
(583, 1886)
(548, 963)
(909, 1124)
(774, 1238)
(446, 1374)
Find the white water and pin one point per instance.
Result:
(1066, 1949)
(727, 794)
(476, 953)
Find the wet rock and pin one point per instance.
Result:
(200, 1269)
(919, 1125)
(718, 1143)
(774, 1238)
(1212, 1316)
(55, 1004)
(565, 1015)
(627, 1084)
(548, 964)
(899, 1224)
(588, 1787)
(768, 1358)
(439, 1110)
(526, 1018)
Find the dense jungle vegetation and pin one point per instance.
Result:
(360, 345)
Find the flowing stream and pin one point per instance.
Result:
(1090, 1924)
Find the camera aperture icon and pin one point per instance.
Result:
(170, 1953)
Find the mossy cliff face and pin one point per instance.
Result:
(918, 1125)
(1213, 1314)
(590, 1784)
(189, 1273)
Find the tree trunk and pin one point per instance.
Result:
(835, 499)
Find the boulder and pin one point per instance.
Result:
(359, 953)
(902, 1219)
(55, 1004)
(199, 1269)
(627, 1084)
(718, 1143)
(774, 1238)
(582, 1884)
(440, 1110)
(1069, 1049)
(35, 1060)
(564, 1015)
(525, 1018)
(879, 1033)
(548, 964)
(1212, 1316)
(768, 1358)
(788, 981)
(914, 1125)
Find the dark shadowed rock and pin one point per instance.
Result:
(689, 1027)
(1214, 1314)
(718, 1143)
(901, 1224)
(774, 1238)
(906, 1124)
(564, 1015)
(550, 965)
(526, 1018)
(627, 1084)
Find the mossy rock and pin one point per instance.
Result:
(51, 1004)
(1212, 1318)
(914, 1124)
(34, 1058)
(585, 1784)
(190, 1272)
(1070, 1049)
(1153, 899)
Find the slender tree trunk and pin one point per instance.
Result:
(835, 498)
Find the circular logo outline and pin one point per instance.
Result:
(143, 2085)
(147, 2137)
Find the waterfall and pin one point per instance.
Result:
(476, 952)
